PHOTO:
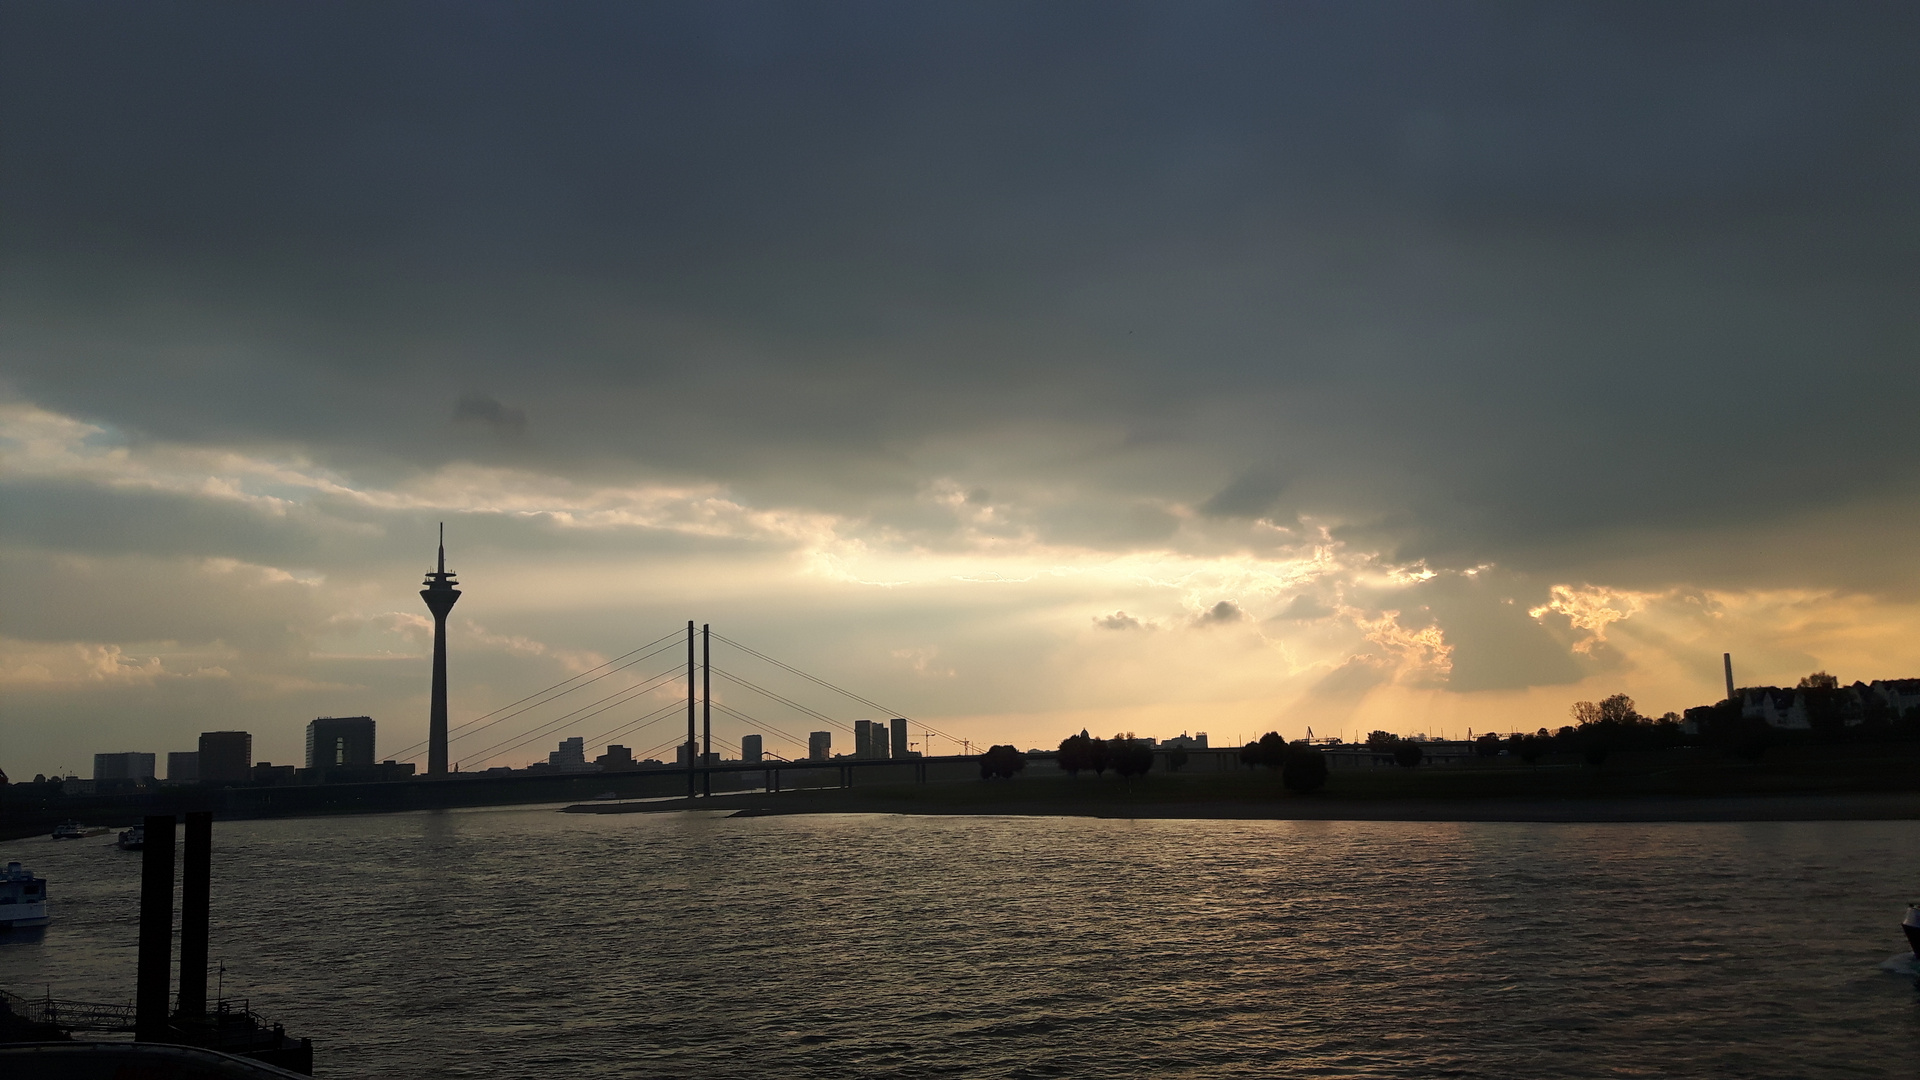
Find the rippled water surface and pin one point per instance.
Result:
(523, 942)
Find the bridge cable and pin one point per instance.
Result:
(415, 748)
(608, 702)
(469, 723)
(869, 702)
(816, 714)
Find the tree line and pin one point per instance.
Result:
(1301, 765)
(1615, 725)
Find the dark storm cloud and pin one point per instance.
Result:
(1226, 611)
(1476, 281)
(488, 412)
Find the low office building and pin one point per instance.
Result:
(226, 757)
(819, 745)
(128, 766)
(617, 759)
(183, 767)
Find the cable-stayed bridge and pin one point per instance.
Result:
(644, 693)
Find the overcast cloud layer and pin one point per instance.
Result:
(1220, 367)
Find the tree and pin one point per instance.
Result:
(1305, 770)
(1820, 680)
(1619, 709)
(1487, 746)
(1130, 758)
(1584, 712)
(1082, 751)
(1273, 750)
(1001, 761)
(1533, 746)
(1379, 741)
(1407, 754)
(1099, 756)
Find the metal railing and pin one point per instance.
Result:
(101, 1016)
(71, 1015)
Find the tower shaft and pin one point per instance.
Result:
(437, 712)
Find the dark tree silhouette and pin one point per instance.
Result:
(1407, 754)
(1129, 758)
(1487, 745)
(1076, 752)
(1305, 770)
(1001, 761)
(1378, 741)
(1532, 747)
(1273, 750)
(1595, 752)
(1619, 709)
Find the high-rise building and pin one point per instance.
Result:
(440, 595)
(617, 759)
(750, 748)
(183, 767)
(878, 735)
(687, 753)
(340, 742)
(863, 738)
(899, 726)
(572, 752)
(129, 766)
(819, 745)
(226, 757)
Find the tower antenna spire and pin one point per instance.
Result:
(443, 547)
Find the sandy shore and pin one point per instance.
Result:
(1901, 806)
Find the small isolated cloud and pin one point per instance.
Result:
(922, 662)
(1119, 620)
(487, 411)
(1226, 611)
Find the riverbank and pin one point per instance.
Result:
(1161, 799)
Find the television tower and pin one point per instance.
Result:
(440, 595)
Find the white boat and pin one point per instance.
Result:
(134, 839)
(69, 830)
(23, 899)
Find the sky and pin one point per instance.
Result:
(1137, 367)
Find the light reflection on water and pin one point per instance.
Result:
(506, 943)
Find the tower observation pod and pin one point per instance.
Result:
(440, 596)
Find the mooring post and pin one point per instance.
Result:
(196, 902)
(154, 977)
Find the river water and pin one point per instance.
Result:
(527, 943)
